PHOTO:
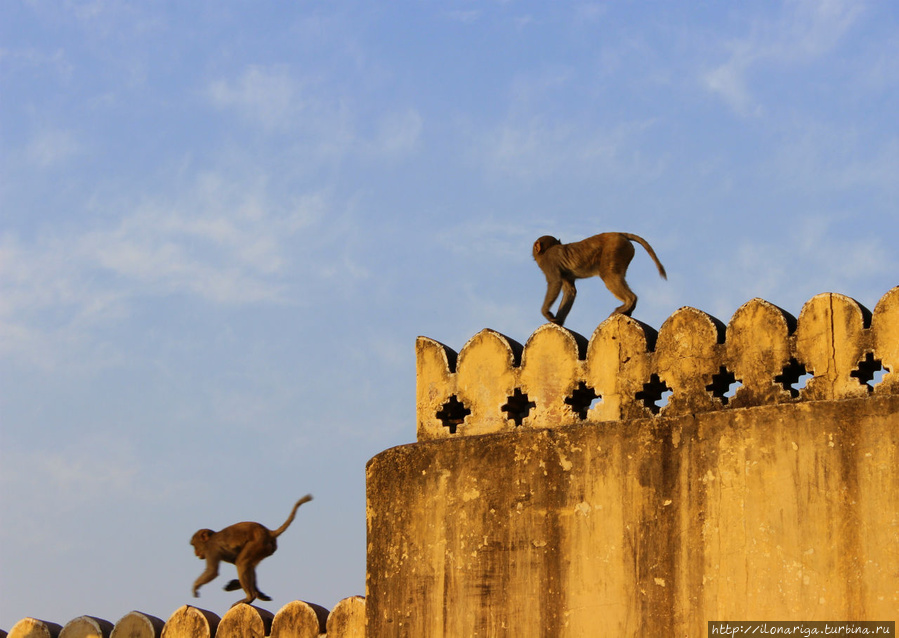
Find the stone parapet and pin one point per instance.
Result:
(626, 370)
(295, 620)
(775, 512)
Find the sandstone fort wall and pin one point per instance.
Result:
(555, 492)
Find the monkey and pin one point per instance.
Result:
(244, 545)
(607, 255)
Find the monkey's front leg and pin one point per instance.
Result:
(212, 570)
(570, 292)
(552, 293)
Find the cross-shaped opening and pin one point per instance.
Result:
(724, 385)
(654, 394)
(866, 371)
(518, 407)
(793, 378)
(582, 399)
(452, 414)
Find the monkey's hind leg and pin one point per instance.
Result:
(234, 585)
(618, 287)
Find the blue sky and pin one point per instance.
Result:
(223, 224)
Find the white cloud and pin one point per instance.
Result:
(398, 134)
(268, 96)
(729, 83)
(805, 31)
(829, 261)
(223, 241)
(467, 17)
(50, 147)
(535, 149)
(825, 158)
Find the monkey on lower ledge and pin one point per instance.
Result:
(244, 545)
(607, 255)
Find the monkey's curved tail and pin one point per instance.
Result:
(649, 249)
(277, 532)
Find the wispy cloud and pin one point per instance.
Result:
(278, 102)
(804, 31)
(536, 149)
(466, 16)
(831, 262)
(51, 146)
(824, 158)
(223, 241)
(399, 134)
(270, 97)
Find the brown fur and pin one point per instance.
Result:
(607, 255)
(244, 545)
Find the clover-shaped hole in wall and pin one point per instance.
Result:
(724, 385)
(869, 371)
(582, 398)
(452, 414)
(518, 407)
(793, 378)
(655, 394)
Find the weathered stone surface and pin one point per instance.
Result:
(435, 383)
(687, 356)
(245, 621)
(830, 343)
(758, 350)
(347, 619)
(138, 625)
(550, 368)
(885, 326)
(299, 619)
(786, 511)
(487, 356)
(86, 627)
(618, 364)
(34, 628)
(191, 622)
(756, 360)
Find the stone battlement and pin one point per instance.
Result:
(295, 620)
(626, 368)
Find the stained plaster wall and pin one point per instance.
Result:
(529, 509)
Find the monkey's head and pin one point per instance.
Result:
(199, 540)
(543, 244)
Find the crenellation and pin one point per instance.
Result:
(831, 339)
(758, 350)
(885, 326)
(560, 378)
(137, 625)
(296, 619)
(347, 619)
(86, 627)
(551, 367)
(191, 621)
(487, 355)
(246, 621)
(34, 628)
(689, 352)
(618, 364)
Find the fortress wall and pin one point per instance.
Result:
(294, 620)
(496, 385)
(647, 528)
(527, 510)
